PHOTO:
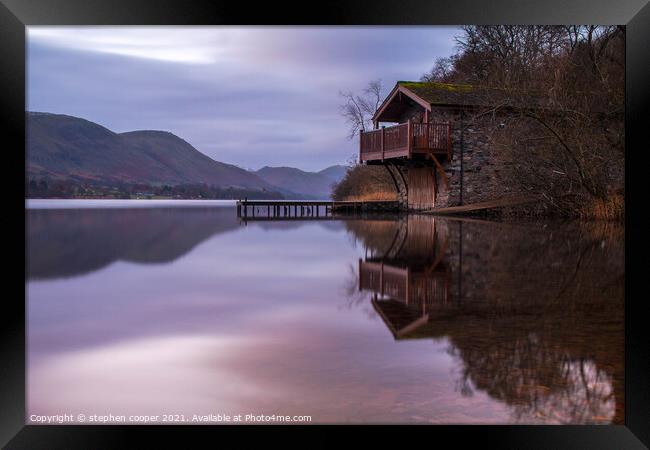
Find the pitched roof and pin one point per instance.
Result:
(430, 94)
(446, 93)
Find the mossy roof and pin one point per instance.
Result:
(436, 93)
(441, 93)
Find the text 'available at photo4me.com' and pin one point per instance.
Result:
(216, 418)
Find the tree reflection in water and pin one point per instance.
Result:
(533, 313)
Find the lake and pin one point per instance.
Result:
(178, 311)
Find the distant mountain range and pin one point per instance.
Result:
(290, 181)
(61, 147)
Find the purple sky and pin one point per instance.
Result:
(250, 96)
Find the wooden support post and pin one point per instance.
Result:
(409, 133)
(445, 180)
(427, 131)
(449, 140)
(383, 133)
(238, 208)
(360, 272)
(381, 279)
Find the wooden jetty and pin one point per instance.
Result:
(307, 209)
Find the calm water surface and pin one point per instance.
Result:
(178, 308)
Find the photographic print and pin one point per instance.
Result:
(325, 224)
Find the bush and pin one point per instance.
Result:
(362, 183)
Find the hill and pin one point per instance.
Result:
(296, 183)
(61, 147)
(335, 173)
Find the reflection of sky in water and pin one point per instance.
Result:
(253, 319)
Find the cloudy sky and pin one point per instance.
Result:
(250, 96)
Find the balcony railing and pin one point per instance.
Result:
(406, 140)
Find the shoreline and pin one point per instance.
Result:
(511, 215)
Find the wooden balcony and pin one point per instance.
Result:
(406, 140)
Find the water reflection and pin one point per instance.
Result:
(184, 310)
(72, 242)
(533, 314)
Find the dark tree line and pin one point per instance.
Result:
(48, 188)
(565, 139)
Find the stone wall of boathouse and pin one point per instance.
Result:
(483, 169)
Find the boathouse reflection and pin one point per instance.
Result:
(534, 315)
(408, 279)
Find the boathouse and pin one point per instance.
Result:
(434, 141)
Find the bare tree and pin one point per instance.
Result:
(442, 71)
(565, 135)
(358, 109)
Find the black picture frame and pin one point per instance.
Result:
(15, 15)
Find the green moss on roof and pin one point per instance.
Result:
(452, 87)
(445, 93)
(472, 95)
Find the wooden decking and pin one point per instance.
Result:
(306, 209)
(406, 140)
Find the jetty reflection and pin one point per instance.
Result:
(533, 314)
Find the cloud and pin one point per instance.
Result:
(250, 96)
